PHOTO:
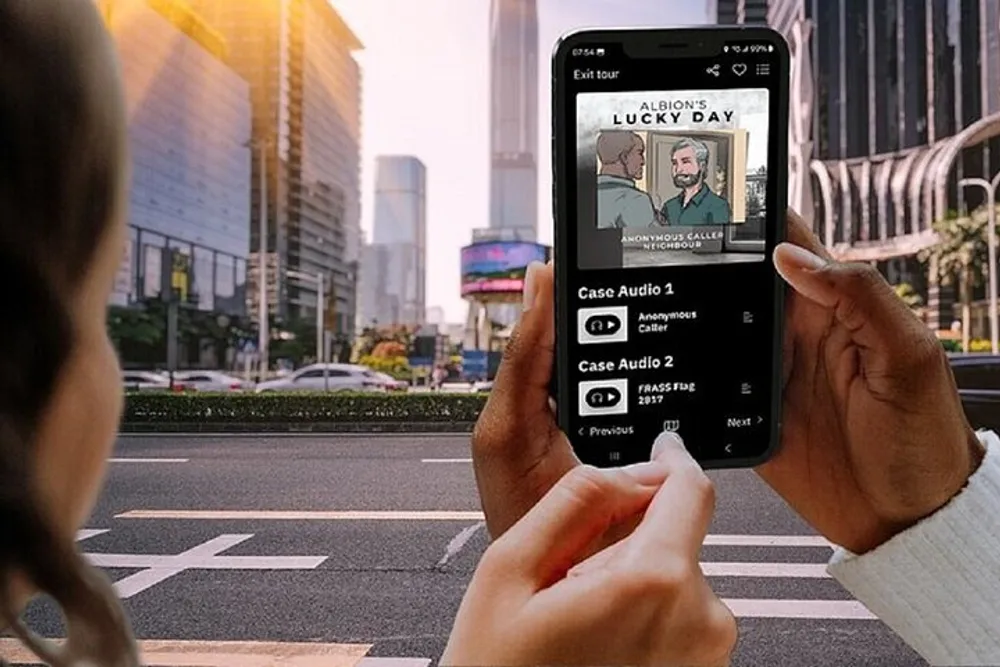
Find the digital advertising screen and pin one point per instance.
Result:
(498, 267)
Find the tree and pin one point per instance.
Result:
(909, 296)
(961, 258)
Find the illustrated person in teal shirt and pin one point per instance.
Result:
(695, 204)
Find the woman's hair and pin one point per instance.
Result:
(63, 161)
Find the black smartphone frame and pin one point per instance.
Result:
(666, 44)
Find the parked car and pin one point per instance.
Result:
(145, 381)
(391, 383)
(210, 381)
(978, 380)
(338, 377)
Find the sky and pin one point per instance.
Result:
(425, 92)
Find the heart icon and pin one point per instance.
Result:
(739, 69)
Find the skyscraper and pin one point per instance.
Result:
(189, 118)
(737, 11)
(514, 118)
(892, 103)
(297, 56)
(397, 259)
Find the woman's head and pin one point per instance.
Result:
(63, 170)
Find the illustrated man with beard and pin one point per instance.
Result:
(620, 203)
(695, 204)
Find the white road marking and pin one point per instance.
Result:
(767, 541)
(304, 515)
(157, 653)
(817, 609)
(458, 542)
(156, 568)
(87, 533)
(446, 460)
(122, 460)
(782, 570)
(394, 662)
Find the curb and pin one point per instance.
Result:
(157, 428)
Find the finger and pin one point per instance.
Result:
(677, 520)
(800, 234)
(519, 400)
(861, 300)
(550, 538)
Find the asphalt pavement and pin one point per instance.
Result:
(355, 551)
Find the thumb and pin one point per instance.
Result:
(860, 298)
(520, 394)
(552, 537)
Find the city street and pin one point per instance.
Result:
(361, 548)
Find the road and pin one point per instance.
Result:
(362, 547)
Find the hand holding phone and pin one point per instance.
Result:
(670, 187)
(536, 598)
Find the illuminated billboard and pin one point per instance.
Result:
(497, 267)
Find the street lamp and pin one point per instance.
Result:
(319, 280)
(991, 197)
(262, 310)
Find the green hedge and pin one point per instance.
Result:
(150, 409)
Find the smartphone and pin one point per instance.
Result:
(670, 189)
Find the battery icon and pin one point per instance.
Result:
(600, 52)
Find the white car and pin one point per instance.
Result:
(390, 383)
(145, 381)
(209, 381)
(335, 377)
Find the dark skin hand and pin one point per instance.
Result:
(874, 436)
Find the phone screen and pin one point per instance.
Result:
(670, 197)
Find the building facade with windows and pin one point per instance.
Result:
(298, 56)
(514, 116)
(400, 231)
(737, 11)
(892, 103)
(189, 120)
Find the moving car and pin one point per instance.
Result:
(145, 381)
(209, 381)
(338, 377)
(391, 383)
(978, 380)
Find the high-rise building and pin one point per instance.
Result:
(189, 121)
(298, 56)
(397, 259)
(514, 116)
(377, 306)
(893, 103)
(737, 11)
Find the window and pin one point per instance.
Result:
(983, 374)
(225, 286)
(204, 281)
(152, 270)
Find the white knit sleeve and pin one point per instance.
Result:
(937, 584)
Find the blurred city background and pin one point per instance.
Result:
(343, 196)
(254, 191)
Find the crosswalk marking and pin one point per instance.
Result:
(304, 515)
(87, 533)
(226, 654)
(446, 460)
(767, 541)
(767, 569)
(783, 608)
(157, 569)
(147, 460)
